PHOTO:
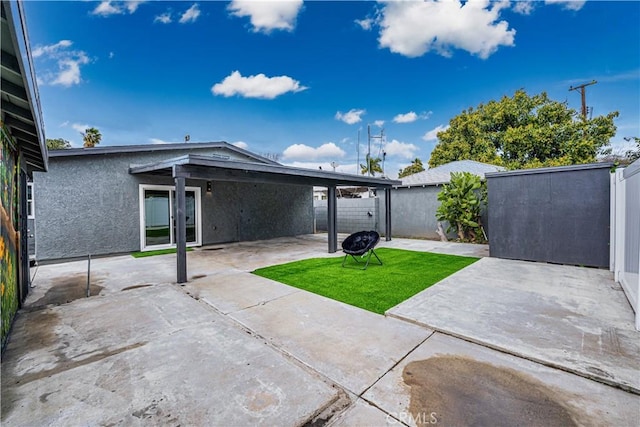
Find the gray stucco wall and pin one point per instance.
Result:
(90, 205)
(353, 215)
(413, 212)
(558, 215)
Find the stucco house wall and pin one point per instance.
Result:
(90, 205)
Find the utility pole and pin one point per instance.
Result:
(583, 95)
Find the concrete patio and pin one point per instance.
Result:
(555, 344)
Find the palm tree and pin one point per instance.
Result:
(372, 167)
(91, 137)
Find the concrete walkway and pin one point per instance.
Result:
(230, 348)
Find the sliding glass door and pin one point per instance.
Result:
(158, 216)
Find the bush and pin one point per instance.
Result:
(461, 203)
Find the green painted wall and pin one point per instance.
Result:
(9, 241)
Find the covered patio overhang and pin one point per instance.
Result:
(207, 168)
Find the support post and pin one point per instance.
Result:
(387, 214)
(181, 230)
(332, 213)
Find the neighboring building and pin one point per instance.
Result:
(415, 202)
(442, 174)
(22, 151)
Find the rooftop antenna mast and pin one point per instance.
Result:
(583, 95)
(370, 137)
(358, 152)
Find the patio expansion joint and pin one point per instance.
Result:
(372, 403)
(400, 360)
(265, 302)
(288, 356)
(623, 387)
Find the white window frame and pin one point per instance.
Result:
(31, 213)
(170, 189)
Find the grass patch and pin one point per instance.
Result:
(156, 252)
(379, 287)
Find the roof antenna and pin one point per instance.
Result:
(187, 138)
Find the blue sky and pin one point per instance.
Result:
(300, 79)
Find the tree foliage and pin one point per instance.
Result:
(372, 165)
(91, 137)
(523, 132)
(58, 144)
(461, 203)
(415, 167)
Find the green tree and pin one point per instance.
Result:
(373, 166)
(91, 137)
(523, 131)
(461, 203)
(58, 144)
(415, 167)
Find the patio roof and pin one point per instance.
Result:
(208, 168)
(194, 166)
(20, 113)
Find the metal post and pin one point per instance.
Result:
(181, 230)
(88, 275)
(387, 214)
(332, 212)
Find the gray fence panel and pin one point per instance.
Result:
(353, 215)
(558, 215)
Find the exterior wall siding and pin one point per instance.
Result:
(413, 212)
(90, 205)
(558, 215)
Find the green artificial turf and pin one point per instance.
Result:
(379, 287)
(156, 252)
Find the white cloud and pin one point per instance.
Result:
(108, 7)
(350, 117)
(379, 123)
(132, 5)
(258, 86)
(413, 28)
(411, 117)
(567, 4)
(164, 18)
(241, 144)
(328, 150)
(111, 55)
(190, 15)
(68, 63)
(400, 149)
(80, 127)
(51, 49)
(432, 135)
(159, 141)
(523, 7)
(366, 24)
(406, 118)
(266, 16)
(69, 73)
